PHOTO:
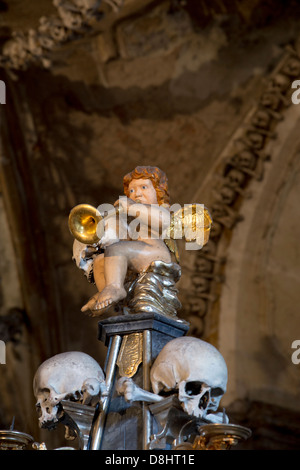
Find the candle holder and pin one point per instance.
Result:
(14, 440)
(220, 436)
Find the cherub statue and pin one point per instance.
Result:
(146, 195)
(147, 244)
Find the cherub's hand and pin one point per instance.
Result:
(90, 251)
(124, 203)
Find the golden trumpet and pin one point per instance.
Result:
(83, 223)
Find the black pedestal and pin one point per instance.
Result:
(124, 428)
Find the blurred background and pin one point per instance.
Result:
(203, 90)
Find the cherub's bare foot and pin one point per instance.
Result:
(91, 303)
(104, 299)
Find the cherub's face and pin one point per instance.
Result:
(142, 191)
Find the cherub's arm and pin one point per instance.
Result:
(158, 216)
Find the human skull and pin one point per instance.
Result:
(227, 195)
(270, 100)
(197, 306)
(15, 50)
(235, 178)
(200, 284)
(196, 369)
(203, 265)
(70, 19)
(87, 7)
(245, 159)
(261, 119)
(255, 139)
(54, 28)
(291, 67)
(83, 262)
(70, 375)
(279, 83)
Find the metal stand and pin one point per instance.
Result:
(98, 425)
(147, 354)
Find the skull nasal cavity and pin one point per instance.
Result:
(193, 388)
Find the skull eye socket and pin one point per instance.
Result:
(204, 401)
(167, 393)
(216, 392)
(193, 388)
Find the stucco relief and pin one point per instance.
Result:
(260, 297)
(241, 165)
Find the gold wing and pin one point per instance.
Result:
(192, 223)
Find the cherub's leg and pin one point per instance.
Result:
(109, 275)
(118, 257)
(115, 269)
(98, 271)
(136, 255)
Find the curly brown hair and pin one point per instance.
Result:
(158, 178)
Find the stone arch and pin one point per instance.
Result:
(262, 273)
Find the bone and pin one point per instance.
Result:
(132, 392)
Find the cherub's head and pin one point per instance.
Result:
(157, 177)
